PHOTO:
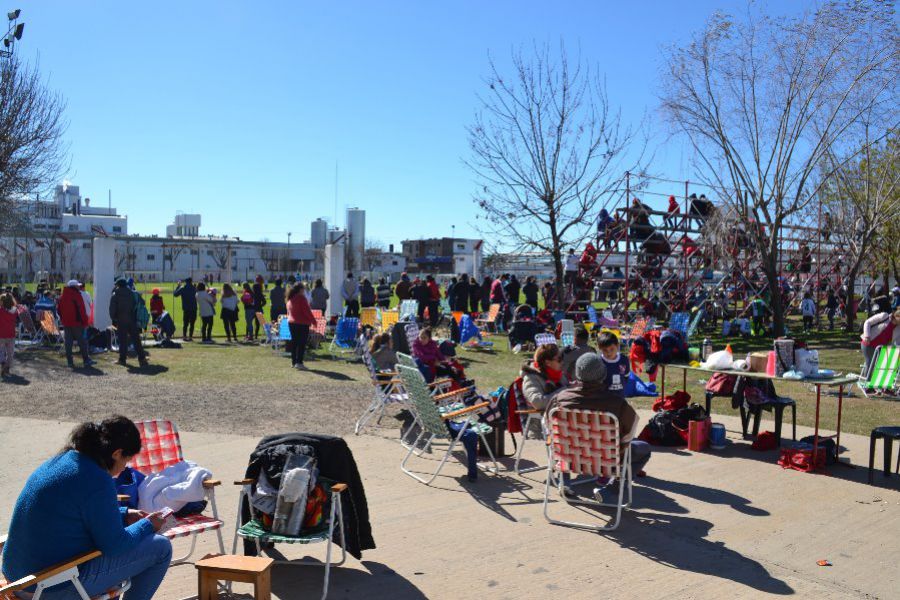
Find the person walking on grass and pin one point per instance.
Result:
(300, 318)
(229, 312)
(259, 301)
(206, 305)
(383, 292)
(188, 293)
(74, 318)
(122, 311)
(808, 310)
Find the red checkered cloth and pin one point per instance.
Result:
(192, 525)
(585, 442)
(160, 446)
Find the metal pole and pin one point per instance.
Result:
(685, 227)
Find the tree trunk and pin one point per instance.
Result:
(776, 304)
(850, 311)
(558, 268)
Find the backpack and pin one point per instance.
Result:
(141, 315)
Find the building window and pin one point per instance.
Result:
(460, 246)
(151, 257)
(234, 253)
(86, 245)
(394, 263)
(73, 227)
(209, 253)
(194, 252)
(117, 229)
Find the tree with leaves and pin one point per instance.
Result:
(764, 100)
(546, 147)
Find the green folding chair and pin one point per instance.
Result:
(883, 372)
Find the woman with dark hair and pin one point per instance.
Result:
(259, 301)
(319, 297)
(206, 306)
(68, 506)
(300, 318)
(543, 377)
(229, 311)
(249, 310)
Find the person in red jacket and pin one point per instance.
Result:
(300, 318)
(434, 300)
(671, 213)
(74, 318)
(157, 306)
(9, 314)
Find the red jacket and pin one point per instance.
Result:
(299, 311)
(8, 323)
(434, 291)
(71, 308)
(156, 305)
(498, 296)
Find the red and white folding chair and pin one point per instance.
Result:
(161, 448)
(586, 442)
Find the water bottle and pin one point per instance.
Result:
(706, 350)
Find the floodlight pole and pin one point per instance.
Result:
(13, 34)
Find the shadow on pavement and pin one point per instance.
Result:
(680, 542)
(704, 494)
(331, 375)
(379, 581)
(151, 369)
(16, 380)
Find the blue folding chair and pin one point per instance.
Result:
(344, 339)
(679, 322)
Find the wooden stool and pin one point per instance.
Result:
(229, 567)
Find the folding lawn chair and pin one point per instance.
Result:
(27, 334)
(638, 328)
(412, 333)
(161, 448)
(268, 328)
(345, 334)
(438, 386)
(592, 315)
(883, 372)
(531, 414)
(51, 329)
(408, 310)
(254, 530)
(54, 575)
(486, 321)
(389, 318)
(368, 317)
(679, 322)
(586, 442)
(434, 422)
(388, 390)
(284, 330)
(695, 324)
(542, 339)
(470, 335)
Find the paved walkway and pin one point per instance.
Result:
(727, 525)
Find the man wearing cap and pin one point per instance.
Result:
(73, 316)
(188, 294)
(122, 313)
(591, 393)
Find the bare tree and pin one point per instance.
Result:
(763, 100)
(171, 252)
(270, 255)
(863, 196)
(32, 152)
(546, 147)
(220, 254)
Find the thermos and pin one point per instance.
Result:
(706, 350)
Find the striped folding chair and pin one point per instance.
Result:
(368, 317)
(161, 448)
(433, 420)
(408, 310)
(345, 336)
(586, 442)
(638, 329)
(695, 324)
(389, 318)
(679, 322)
(412, 333)
(883, 372)
(543, 339)
(388, 390)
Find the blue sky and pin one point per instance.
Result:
(239, 110)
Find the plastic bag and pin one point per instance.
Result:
(806, 361)
(723, 359)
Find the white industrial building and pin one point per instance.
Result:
(58, 241)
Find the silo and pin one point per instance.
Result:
(356, 231)
(318, 233)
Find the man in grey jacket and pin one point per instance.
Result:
(122, 313)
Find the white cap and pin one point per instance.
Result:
(73, 283)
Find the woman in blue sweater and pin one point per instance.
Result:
(69, 507)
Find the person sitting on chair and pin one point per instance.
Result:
(590, 393)
(427, 353)
(570, 354)
(68, 507)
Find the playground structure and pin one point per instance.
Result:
(698, 255)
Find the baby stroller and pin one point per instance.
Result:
(523, 327)
(163, 329)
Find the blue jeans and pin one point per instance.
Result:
(145, 565)
(469, 441)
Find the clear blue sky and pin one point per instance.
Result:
(239, 110)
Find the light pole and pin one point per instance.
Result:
(289, 261)
(13, 33)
